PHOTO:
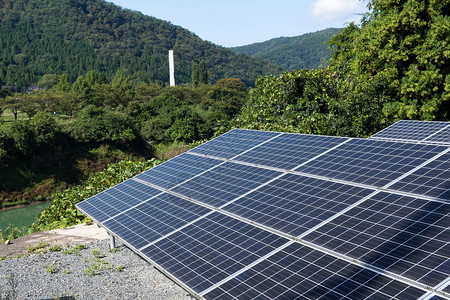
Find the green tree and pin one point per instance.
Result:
(195, 75)
(404, 45)
(64, 84)
(203, 73)
(48, 81)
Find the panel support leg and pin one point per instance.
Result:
(112, 241)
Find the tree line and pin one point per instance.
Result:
(395, 65)
(67, 128)
(39, 37)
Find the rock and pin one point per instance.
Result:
(8, 242)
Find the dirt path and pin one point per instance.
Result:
(79, 234)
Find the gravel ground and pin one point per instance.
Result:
(92, 273)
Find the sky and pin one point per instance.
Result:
(241, 22)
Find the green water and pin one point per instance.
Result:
(26, 215)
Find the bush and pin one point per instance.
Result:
(63, 213)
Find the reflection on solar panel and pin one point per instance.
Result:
(177, 170)
(300, 272)
(371, 162)
(234, 143)
(417, 131)
(117, 199)
(153, 219)
(287, 151)
(224, 183)
(268, 215)
(440, 137)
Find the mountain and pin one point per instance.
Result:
(40, 37)
(307, 51)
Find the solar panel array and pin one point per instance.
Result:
(417, 131)
(266, 215)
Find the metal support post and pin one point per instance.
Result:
(112, 241)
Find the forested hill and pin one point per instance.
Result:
(307, 51)
(40, 37)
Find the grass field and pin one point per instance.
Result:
(8, 116)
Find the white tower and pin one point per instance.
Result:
(171, 68)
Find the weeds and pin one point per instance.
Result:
(38, 246)
(120, 268)
(74, 250)
(12, 232)
(55, 248)
(51, 269)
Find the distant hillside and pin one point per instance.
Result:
(40, 37)
(307, 51)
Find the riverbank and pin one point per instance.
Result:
(77, 264)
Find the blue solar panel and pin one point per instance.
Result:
(404, 235)
(300, 272)
(225, 183)
(233, 143)
(290, 150)
(177, 170)
(293, 204)
(114, 200)
(411, 130)
(371, 162)
(211, 249)
(431, 180)
(220, 225)
(153, 219)
(441, 137)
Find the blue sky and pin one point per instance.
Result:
(241, 22)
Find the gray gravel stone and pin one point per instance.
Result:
(88, 274)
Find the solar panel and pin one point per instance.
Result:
(371, 162)
(300, 272)
(234, 143)
(410, 130)
(224, 183)
(211, 249)
(417, 131)
(431, 180)
(407, 236)
(287, 151)
(440, 137)
(177, 170)
(114, 200)
(153, 219)
(267, 215)
(293, 204)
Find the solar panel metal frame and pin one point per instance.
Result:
(219, 210)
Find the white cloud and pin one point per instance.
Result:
(336, 9)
